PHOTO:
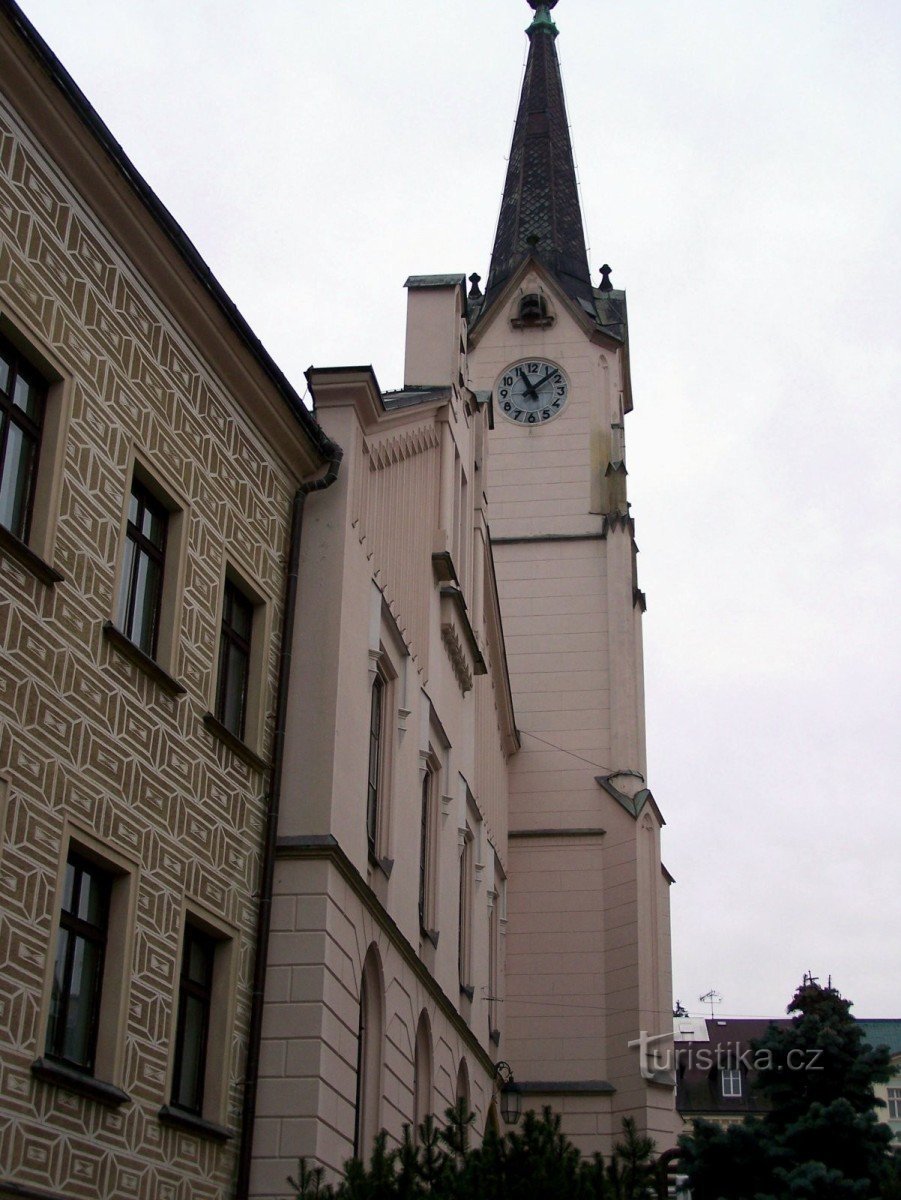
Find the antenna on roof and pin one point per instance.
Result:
(712, 997)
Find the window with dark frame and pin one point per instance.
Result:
(234, 659)
(375, 763)
(141, 586)
(78, 970)
(361, 1063)
(894, 1104)
(195, 997)
(465, 910)
(425, 850)
(23, 395)
(493, 961)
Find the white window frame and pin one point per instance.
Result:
(730, 1083)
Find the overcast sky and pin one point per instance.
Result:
(740, 171)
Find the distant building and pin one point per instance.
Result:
(716, 1072)
(887, 1032)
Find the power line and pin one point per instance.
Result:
(572, 754)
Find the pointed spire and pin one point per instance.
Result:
(540, 211)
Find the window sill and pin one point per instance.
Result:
(467, 991)
(75, 1081)
(431, 935)
(177, 1118)
(385, 865)
(135, 654)
(243, 751)
(27, 558)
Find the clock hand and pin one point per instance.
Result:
(530, 387)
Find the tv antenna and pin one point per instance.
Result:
(712, 997)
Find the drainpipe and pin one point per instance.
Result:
(270, 834)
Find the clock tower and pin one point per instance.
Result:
(588, 973)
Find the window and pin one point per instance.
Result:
(78, 970)
(894, 1103)
(369, 1055)
(532, 308)
(422, 1073)
(202, 1026)
(195, 996)
(234, 660)
(461, 1091)
(23, 396)
(376, 732)
(464, 951)
(494, 913)
(141, 585)
(532, 311)
(426, 851)
(730, 1082)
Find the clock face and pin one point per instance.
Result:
(531, 392)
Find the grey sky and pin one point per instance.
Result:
(741, 172)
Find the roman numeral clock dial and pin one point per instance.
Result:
(532, 392)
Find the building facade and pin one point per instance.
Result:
(150, 456)
(385, 980)
(319, 793)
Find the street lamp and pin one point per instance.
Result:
(510, 1094)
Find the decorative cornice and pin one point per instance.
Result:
(326, 847)
(556, 833)
(400, 447)
(563, 1087)
(456, 629)
(457, 656)
(549, 537)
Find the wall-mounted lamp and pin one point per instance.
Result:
(510, 1095)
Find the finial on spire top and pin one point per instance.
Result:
(606, 285)
(475, 291)
(542, 18)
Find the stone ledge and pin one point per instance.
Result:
(26, 557)
(148, 665)
(76, 1081)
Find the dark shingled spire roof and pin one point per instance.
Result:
(540, 212)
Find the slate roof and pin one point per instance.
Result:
(540, 211)
(411, 396)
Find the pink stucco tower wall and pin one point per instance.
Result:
(588, 948)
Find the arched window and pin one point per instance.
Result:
(532, 307)
(462, 1092)
(422, 1072)
(533, 311)
(369, 1055)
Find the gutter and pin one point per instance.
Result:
(270, 833)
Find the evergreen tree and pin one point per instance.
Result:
(536, 1162)
(821, 1137)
